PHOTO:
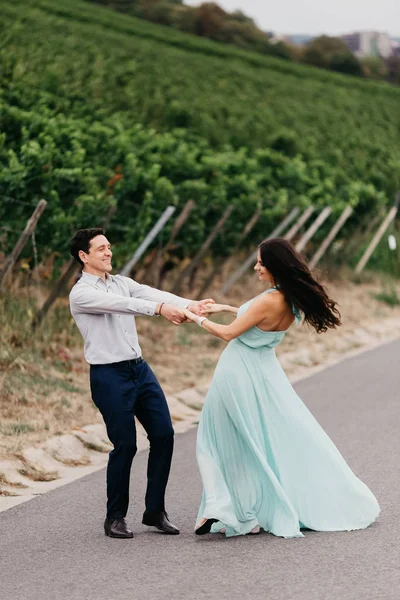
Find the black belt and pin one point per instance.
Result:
(129, 363)
(123, 363)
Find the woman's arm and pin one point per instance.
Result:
(214, 308)
(264, 306)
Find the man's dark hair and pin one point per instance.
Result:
(81, 241)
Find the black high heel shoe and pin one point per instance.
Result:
(205, 527)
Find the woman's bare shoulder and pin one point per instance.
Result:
(274, 298)
(272, 301)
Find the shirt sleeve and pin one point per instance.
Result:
(89, 300)
(146, 292)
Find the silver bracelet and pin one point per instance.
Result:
(200, 321)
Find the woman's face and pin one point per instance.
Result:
(263, 273)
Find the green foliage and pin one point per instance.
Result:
(393, 67)
(325, 46)
(98, 109)
(333, 53)
(346, 63)
(374, 67)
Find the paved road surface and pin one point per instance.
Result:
(53, 547)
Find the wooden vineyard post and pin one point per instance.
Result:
(158, 261)
(221, 263)
(217, 268)
(55, 292)
(246, 265)
(361, 234)
(180, 221)
(331, 236)
(377, 237)
(299, 223)
(200, 254)
(19, 246)
(147, 240)
(324, 214)
(248, 227)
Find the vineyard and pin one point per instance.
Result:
(100, 110)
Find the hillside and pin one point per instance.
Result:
(100, 109)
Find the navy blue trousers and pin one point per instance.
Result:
(122, 391)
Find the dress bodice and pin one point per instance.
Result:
(256, 337)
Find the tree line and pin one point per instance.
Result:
(211, 21)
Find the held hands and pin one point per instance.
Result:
(193, 313)
(173, 314)
(192, 318)
(211, 307)
(197, 307)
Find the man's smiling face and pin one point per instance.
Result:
(98, 260)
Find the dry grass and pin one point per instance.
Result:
(44, 380)
(37, 474)
(7, 493)
(14, 484)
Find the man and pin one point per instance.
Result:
(122, 384)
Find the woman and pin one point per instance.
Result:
(264, 460)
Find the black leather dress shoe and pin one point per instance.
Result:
(116, 528)
(161, 521)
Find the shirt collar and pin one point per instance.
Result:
(94, 279)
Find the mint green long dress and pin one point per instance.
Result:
(263, 458)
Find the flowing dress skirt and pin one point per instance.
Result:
(264, 459)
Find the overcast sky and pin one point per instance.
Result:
(319, 16)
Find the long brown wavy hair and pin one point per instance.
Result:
(294, 279)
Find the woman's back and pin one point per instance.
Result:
(270, 332)
(279, 315)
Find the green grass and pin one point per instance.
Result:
(22, 344)
(391, 298)
(38, 385)
(16, 428)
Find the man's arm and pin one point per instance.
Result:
(86, 299)
(146, 292)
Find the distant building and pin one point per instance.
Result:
(294, 39)
(369, 43)
(274, 38)
(299, 39)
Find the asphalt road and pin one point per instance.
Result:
(53, 547)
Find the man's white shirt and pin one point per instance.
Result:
(104, 312)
